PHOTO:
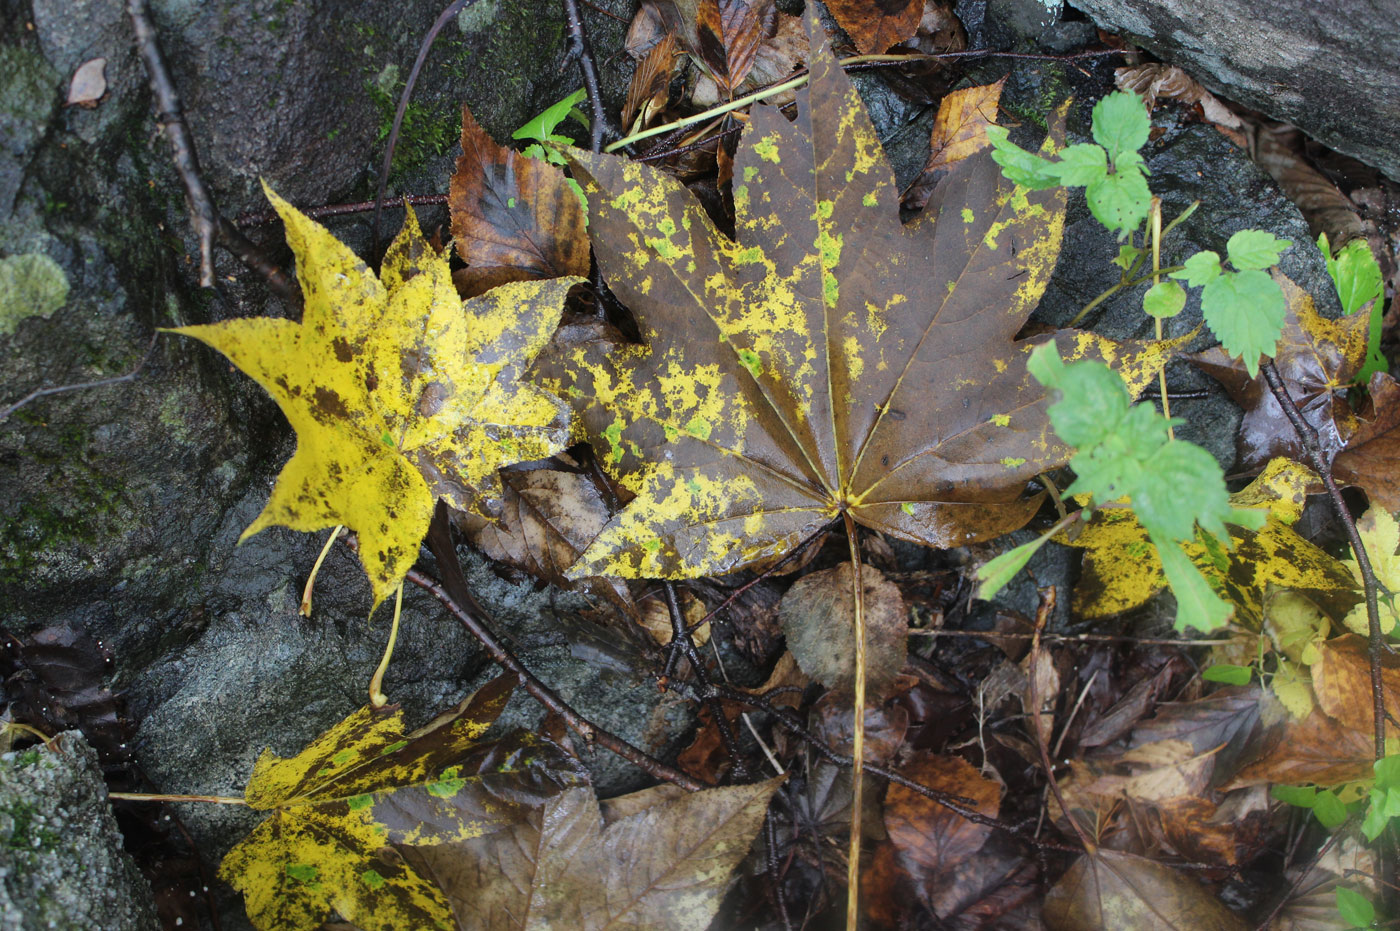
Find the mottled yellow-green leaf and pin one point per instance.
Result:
(1121, 569)
(364, 785)
(399, 392)
(826, 360)
(1380, 534)
(1293, 688)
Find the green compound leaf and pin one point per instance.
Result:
(1197, 604)
(1120, 201)
(1018, 165)
(541, 128)
(1357, 277)
(997, 573)
(1355, 909)
(1082, 164)
(1385, 797)
(1245, 310)
(1354, 271)
(1200, 269)
(1230, 674)
(1121, 124)
(1164, 300)
(1255, 250)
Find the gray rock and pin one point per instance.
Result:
(62, 865)
(1328, 68)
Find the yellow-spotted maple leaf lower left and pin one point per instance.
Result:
(344, 808)
(400, 393)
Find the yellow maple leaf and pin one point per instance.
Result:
(400, 393)
(1380, 534)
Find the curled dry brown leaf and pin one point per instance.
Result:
(875, 25)
(1373, 449)
(959, 132)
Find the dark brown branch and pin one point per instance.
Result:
(457, 599)
(100, 383)
(1308, 437)
(582, 51)
(451, 10)
(775, 875)
(682, 641)
(263, 217)
(209, 227)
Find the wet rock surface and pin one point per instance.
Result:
(1328, 68)
(63, 865)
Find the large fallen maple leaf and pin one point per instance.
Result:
(829, 361)
(656, 860)
(399, 392)
(364, 785)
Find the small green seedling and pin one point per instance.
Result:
(1357, 277)
(541, 129)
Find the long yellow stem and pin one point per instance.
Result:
(311, 579)
(858, 741)
(156, 797)
(1156, 278)
(377, 698)
(739, 102)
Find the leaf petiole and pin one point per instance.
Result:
(311, 579)
(377, 698)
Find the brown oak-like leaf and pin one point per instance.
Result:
(1315, 750)
(1116, 890)
(959, 132)
(513, 218)
(657, 862)
(875, 25)
(1342, 683)
(1373, 449)
(830, 360)
(1317, 359)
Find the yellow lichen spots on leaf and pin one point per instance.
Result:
(750, 360)
(630, 547)
(967, 215)
(340, 801)
(1001, 420)
(829, 250)
(907, 507)
(855, 362)
(824, 210)
(1012, 462)
(767, 149)
(741, 196)
(378, 380)
(750, 172)
(1000, 366)
(870, 200)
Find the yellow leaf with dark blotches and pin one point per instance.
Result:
(364, 785)
(830, 360)
(1380, 534)
(400, 393)
(1121, 570)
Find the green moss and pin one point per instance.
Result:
(31, 285)
(28, 85)
(24, 833)
(426, 131)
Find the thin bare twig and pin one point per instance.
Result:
(1042, 614)
(681, 636)
(262, 217)
(582, 51)
(453, 594)
(451, 10)
(1308, 437)
(775, 875)
(209, 227)
(37, 393)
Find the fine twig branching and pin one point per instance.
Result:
(37, 393)
(681, 639)
(209, 227)
(454, 595)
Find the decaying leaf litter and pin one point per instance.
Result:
(825, 364)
